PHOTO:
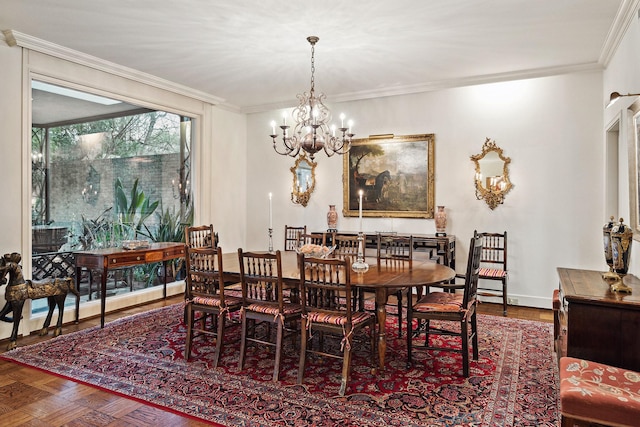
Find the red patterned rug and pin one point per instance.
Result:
(514, 382)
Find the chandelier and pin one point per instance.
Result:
(312, 131)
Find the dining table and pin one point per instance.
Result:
(382, 277)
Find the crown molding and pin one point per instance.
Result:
(439, 85)
(15, 38)
(624, 17)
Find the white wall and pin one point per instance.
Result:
(552, 128)
(623, 76)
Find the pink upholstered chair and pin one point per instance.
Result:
(593, 393)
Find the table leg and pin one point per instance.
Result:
(381, 314)
(103, 295)
(77, 285)
(164, 290)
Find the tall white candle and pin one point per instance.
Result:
(270, 211)
(360, 210)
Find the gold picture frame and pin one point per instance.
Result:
(634, 174)
(396, 174)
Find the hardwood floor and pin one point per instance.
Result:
(29, 397)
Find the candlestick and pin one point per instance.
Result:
(360, 210)
(270, 211)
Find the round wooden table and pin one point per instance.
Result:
(381, 277)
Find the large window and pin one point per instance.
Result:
(105, 171)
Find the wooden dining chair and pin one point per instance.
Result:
(292, 236)
(493, 267)
(455, 307)
(205, 296)
(396, 251)
(313, 239)
(200, 236)
(264, 301)
(326, 296)
(346, 245)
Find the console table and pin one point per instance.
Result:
(601, 325)
(104, 259)
(442, 248)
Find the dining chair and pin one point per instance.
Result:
(205, 295)
(264, 301)
(313, 238)
(326, 296)
(396, 251)
(493, 266)
(199, 236)
(292, 236)
(346, 245)
(454, 307)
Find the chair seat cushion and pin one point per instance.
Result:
(440, 302)
(599, 393)
(273, 309)
(338, 318)
(492, 273)
(215, 301)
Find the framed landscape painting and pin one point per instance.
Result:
(395, 173)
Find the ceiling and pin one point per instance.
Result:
(253, 54)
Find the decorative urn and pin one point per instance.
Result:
(621, 239)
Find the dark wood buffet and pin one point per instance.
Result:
(601, 325)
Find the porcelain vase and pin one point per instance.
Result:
(441, 221)
(332, 218)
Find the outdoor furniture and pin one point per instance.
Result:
(450, 307)
(205, 295)
(326, 295)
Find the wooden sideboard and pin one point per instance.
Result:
(601, 325)
(441, 248)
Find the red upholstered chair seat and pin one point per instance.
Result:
(439, 301)
(492, 272)
(215, 302)
(337, 319)
(600, 393)
(273, 308)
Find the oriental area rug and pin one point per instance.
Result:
(514, 382)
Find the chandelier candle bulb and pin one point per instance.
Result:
(273, 127)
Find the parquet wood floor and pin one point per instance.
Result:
(29, 397)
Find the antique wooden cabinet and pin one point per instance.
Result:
(601, 325)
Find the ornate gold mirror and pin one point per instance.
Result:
(304, 180)
(492, 174)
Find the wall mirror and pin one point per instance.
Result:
(304, 180)
(492, 174)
